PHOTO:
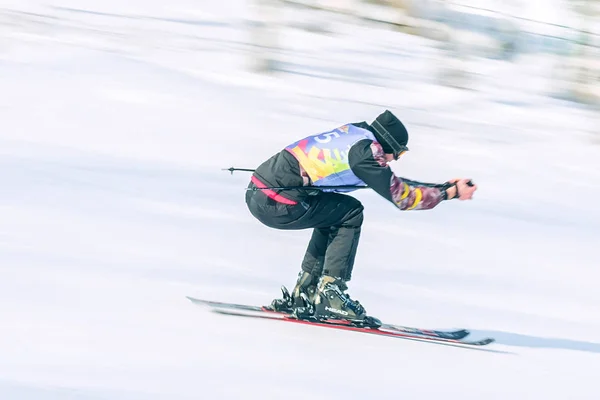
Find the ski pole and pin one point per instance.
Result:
(231, 169)
(307, 187)
(408, 181)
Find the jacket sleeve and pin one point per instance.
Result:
(367, 161)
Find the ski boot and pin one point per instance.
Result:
(332, 303)
(300, 303)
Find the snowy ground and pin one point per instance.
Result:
(115, 124)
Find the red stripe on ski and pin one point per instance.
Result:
(280, 317)
(385, 330)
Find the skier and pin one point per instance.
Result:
(355, 154)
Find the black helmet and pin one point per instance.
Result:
(390, 133)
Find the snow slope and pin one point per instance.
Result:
(116, 121)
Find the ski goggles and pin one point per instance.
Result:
(400, 152)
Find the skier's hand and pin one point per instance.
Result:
(464, 188)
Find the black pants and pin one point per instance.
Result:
(336, 219)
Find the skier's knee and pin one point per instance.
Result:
(355, 216)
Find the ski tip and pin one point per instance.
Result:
(462, 333)
(484, 342)
(199, 302)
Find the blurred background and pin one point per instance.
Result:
(461, 44)
(560, 36)
(117, 118)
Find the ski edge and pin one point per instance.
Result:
(388, 329)
(373, 331)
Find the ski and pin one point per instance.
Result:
(453, 334)
(455, 337)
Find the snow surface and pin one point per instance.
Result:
(116, 119)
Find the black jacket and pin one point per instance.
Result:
(366, 160)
